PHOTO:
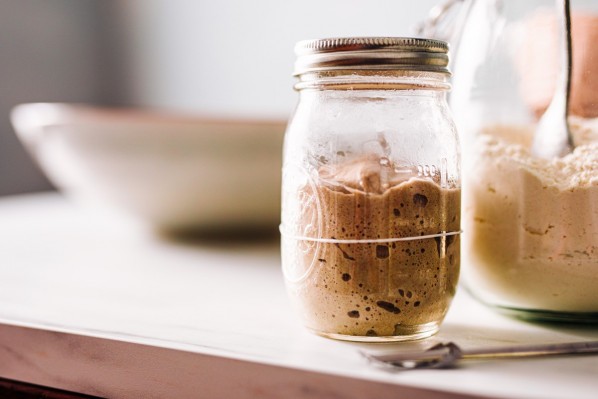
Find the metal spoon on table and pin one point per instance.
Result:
(446, 355)
(552, 137)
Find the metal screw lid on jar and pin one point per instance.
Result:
(371, 53)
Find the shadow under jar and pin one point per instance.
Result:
(371, 189)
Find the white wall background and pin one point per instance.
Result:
(48, 52)
(236, 56)
(227, 57)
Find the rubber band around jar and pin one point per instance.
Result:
(368, 241)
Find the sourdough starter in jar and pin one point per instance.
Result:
(378, 288)
(371, 190)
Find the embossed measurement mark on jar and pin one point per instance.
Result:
(301, 217)
(428, 171)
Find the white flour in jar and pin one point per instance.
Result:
(531, 225)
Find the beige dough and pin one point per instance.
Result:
(378, 289)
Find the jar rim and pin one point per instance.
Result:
(371, 53)
(373, 79)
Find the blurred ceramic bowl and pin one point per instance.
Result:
(177, 173)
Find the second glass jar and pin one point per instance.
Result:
(371, 189)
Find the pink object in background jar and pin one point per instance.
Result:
(538, 57)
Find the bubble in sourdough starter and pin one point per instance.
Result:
(382, 251)
(420, 200)
(389, 307)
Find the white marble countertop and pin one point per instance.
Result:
(90, 306)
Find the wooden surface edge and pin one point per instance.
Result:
(116, 369)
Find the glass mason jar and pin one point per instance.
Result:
(530, 246)
(371, 189)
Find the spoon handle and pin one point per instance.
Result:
(552, 137)
(531, 350)
(446, 355)
(565, 43)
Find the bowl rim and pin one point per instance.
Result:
(39, 115)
